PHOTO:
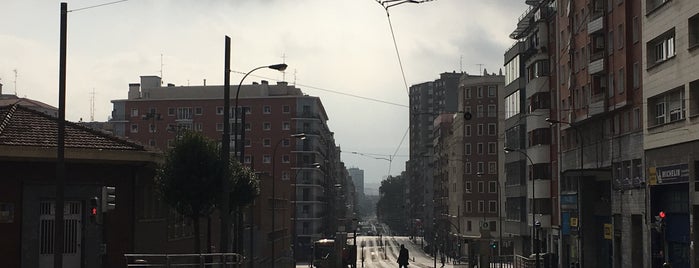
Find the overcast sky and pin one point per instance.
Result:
(329, 45)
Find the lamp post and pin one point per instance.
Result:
(274, 193)
(226, 139)
(582, 172)
(535, 247)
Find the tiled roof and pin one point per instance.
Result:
(21, 126)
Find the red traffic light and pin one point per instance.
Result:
(93, 211)
(662, 214)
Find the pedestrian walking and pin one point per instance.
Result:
(403, 257)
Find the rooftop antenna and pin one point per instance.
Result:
(92, 105)
(480, 68)
(461, 63)
(294, 77)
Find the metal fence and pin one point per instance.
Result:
(222, 260)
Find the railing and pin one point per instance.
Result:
(185, 260)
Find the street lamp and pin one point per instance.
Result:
(535, 247)
(226, 139)
(274, 183)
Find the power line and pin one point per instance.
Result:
(104, 4)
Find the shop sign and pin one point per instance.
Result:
(669, 174)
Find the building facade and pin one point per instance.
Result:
(670, 71)
(426, 101)
(304, 170)
(531, 190)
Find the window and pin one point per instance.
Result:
(468, 168)
(492, 187)
(266, 159)
(481, 167)
(636, 76)
(492, 168)
(694, 98)
(652, 5)
(285, 159)
(661, 48)
(134, 112)
(666, 108)
(481, 187)
(512, 103)
(286, 109)
(199, 127)
(636, 118)
(266, 126)
(620, 88)
(248, 143)
(266, 109)
(511, 70)
(492, 148)
(492, 208)
(467, 149)
(492, 129)
(479, 148)
(198, 111)
(479, 111)
(634, 31)
(468, 187)
(266, 142)
(620, 35)
(480, 92)
(134, 128)
(611, 42)
(492, 91)
(468, 131)
(693, 28)
(247, 159)
(469, 209)
(184, 113)
(286, 143)
(492, 112)
(171, 111)
(248, 127)
(481, 206)
(151, 128)
(480, 129)
(541, 68)
(219, 110)
(468, 93)
(286, 126)
(540, 136)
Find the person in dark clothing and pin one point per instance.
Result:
(403, 257)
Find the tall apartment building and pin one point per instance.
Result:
(357, 176)
(473, 214)
(670, 57)
(154, 115)
(426, 100)
(530, 187)
(598, 132)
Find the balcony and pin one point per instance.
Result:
(542, 189)
(595, 25)
(596, 66)
(539, 154)
(536, 85)
(544, 219)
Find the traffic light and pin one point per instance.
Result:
(493, 244)
(659, 221)
(94, 209)
(108, 198)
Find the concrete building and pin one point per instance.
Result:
(670, 71)
(357, 176)
(475, 155)
(155, 114)
(427, 100)
(529, 186)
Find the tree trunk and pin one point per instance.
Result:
(197, 237)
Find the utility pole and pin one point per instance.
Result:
(60, 156)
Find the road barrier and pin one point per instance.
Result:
(212, 260)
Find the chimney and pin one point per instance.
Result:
(264, 82)
(204, 81)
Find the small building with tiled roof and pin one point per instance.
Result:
(28, 153)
